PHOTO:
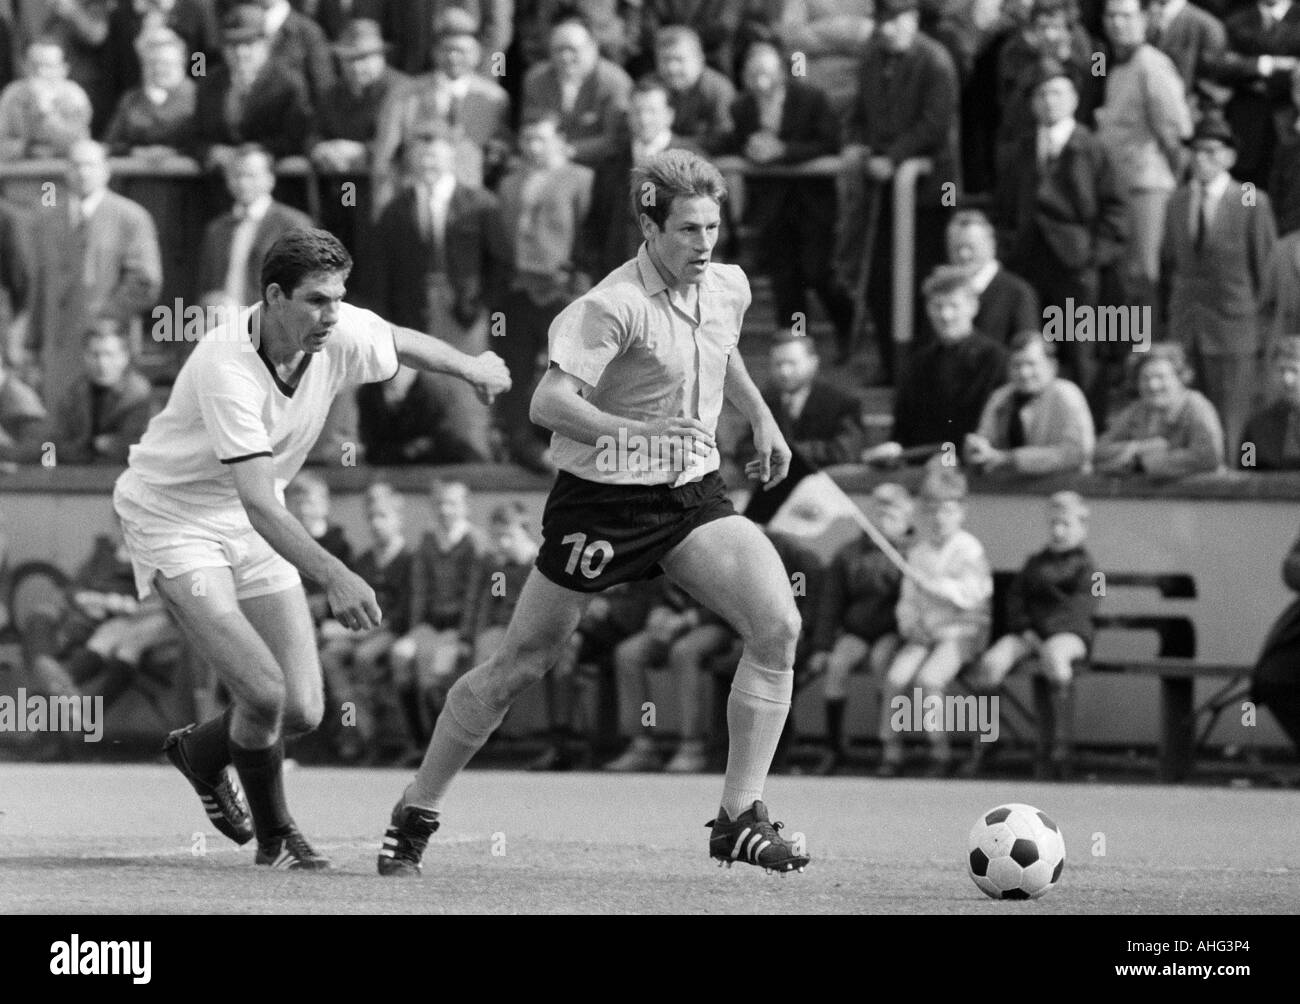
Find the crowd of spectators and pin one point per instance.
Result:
(1137, 161)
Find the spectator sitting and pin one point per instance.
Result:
(1271, 441)
(424, 661)
(679, 634)
(308, 498)
(856, 623)
(351, 661)
(44, 113)
(456, 96)
(236, 242)
(156, 119)
(95, 255)
(781, 120)
(23, 419)
(700, 96)
(944, 612)
(819, 421)
(587, 92)
(405, 421)
(105, 412)
(1050, 607)
(612, 234)
(1008, 304)
(610, 618)
(250, 98)
(348, 120)
(946, 383)
(97, 644)
(1037, 423)
(1170, 431)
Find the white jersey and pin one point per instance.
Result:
(228, 405)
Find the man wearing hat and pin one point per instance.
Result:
(299, 43)
(1060, 209)
(456, 96)
(348, 120)
(250, 98)
(1218, 238)
(906, 107)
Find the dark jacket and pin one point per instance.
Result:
(124, 412)
(301, 46)
(1053, 595)
(277, 114)
(859, 597)
(214, 255)
(829, 428)
(407, 254)
(1267, 429)
(944, 389)
(392, 586)
(1279, 660)
(439, 581)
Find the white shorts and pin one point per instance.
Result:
(164, 534)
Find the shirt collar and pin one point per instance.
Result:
(155, 95)
(981, 279)
(1059, 134)
(90, 203)
(650, 278)
(256, 211)
(1215, 189)
(442, 186)
(275, 17)
(1172, 9)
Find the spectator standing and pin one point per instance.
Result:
(95, 255)
(299, 45)
(1008, 304)
(1284, 175)
(347, 123)
(832, 35)
(1195, 40)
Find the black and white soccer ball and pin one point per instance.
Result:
(1015, 852)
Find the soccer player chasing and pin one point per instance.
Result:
(203, 516)
(649, 352)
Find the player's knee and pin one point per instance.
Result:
(303, 716)
(773, 638)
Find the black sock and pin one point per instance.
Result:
(260, 772)
(835, 723)
(208, 747)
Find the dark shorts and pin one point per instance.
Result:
(595, 536)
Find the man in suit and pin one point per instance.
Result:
(1217, 243)
(1193, 38)
(455, 95)
(234, 244)
(250, 98)
(1263, 48)
(94, 255)
(299, 45)
(347, 124)
(701, 96)
(612, 234)
(820, 422)
(1008, 304)
(778, 121)
(587, 92)
(106, 410)
(544, 205)
(439, 251)
(906, 107)
(411, 25)
(1061, 210)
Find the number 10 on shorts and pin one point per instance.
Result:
(592, 557)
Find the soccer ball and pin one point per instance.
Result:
(1016, 852)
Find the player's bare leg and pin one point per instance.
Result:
(266, 696)
(477, 703)
(731, 567)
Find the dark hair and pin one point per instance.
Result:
(1050, 8)
(1169, 352)
(767, 39)
(786, 336)
(668, 175)
(570, 13)
(649, 84)
(301, 253)
(1022, 340)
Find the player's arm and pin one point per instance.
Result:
(487, 372)
(772, 454)
(560, 404)
(350, 598)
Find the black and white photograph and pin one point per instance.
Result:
(733, 459)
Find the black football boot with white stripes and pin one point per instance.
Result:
(222, 800)
(289, 851)
(754, 839)
(405, 839)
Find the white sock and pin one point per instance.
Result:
(466, 723)
(756, 713)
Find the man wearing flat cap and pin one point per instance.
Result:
(348, 120)
(250, 98)
(1218, 238)
(457, 97)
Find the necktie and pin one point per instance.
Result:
(1202, 215)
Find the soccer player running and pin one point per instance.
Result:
(203, 515)
(649, 352)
